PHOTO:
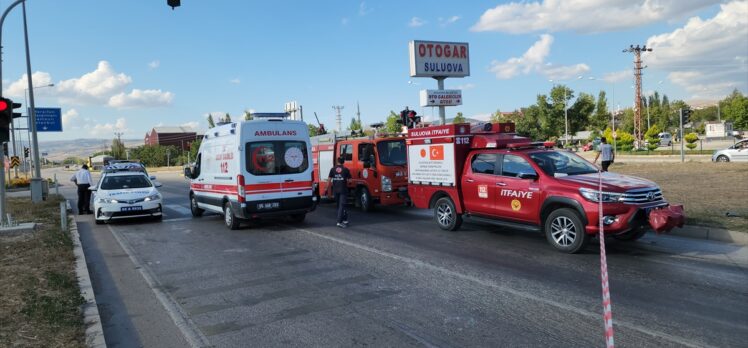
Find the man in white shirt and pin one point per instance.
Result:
(82, 178)
(606, 152)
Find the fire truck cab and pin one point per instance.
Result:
(490, 174)
(378, 167)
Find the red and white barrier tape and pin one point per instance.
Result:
(607, 312)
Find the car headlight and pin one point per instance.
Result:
(107, 200)
(594, 195)
(386, 184)
(152, 197)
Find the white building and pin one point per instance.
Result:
(718, 129)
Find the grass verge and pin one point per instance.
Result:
(709, 191)
(41, 300)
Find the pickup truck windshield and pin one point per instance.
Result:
(392, 153)
(559, 163)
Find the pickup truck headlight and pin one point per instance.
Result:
(153, 197)
(386, 184)
(594, 195)
(107, 200)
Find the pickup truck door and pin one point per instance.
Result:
(517, 199)
(479, 184)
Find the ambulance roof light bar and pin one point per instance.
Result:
(270, 115)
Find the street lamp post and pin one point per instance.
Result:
(566, 112)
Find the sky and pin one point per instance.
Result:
(127, 66)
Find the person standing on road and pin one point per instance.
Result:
(82, 178)
(606, 152)
(339, 176)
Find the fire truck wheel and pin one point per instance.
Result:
(229, 218)
(632, 235)
(446, 215)
(196, 212)
(565, 231)
(364, 200)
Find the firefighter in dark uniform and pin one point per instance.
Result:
(339, 176)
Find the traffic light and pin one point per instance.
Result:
(5, 149)
(413, 120)
(403, 117)
(6, 117)
(686, 115)
(26, 152)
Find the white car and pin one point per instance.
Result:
(122, 195)
(735, 153)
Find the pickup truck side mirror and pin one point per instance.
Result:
(533, 176)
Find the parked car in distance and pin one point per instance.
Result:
(666, 139)
(735, 153)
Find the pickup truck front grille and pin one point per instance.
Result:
(642, 196)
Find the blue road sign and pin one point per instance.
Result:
(48, 119)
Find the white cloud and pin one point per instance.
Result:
(154, 64)
(69, 119)
(95, 87)
(584, 16)
(447, 21)
(108, 129)
(466, 86)
(618, 76)
(17, 89)
(363, 10)
(192, 124)
(141, 98)
(533, 60)
(416, 22)
(706, 57)
(235, 81)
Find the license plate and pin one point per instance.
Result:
(133, 208)
(268, 205)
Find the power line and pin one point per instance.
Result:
(339, 118)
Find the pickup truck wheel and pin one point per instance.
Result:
(231, 221)
(364, 200)
(565, 231)
(723, 158)
(196, 211)
(446, 215)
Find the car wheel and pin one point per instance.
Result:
(364, 200)
(158, 218)
(231, 221)
(446, 215)
(297, 218)
(632, 235)
(99, 222)
(723, 158)
(565, 231)
(196, 211)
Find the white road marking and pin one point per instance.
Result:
(489, 283)
(191, 333)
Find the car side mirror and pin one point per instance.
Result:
(533, 176)
(157, 184)
(188, 172)
(152, 177)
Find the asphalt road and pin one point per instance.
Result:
(394, 279)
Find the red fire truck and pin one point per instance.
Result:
(378, 167)
(490, 174)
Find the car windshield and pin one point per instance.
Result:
(562, 163)
(392, 153)
(120, 182)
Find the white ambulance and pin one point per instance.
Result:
(253, 169)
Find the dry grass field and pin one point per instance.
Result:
(714, 194)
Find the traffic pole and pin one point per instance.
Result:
(682, 155)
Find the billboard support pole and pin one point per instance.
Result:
(442, 108)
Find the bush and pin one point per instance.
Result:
(653, 138)
(691, 139)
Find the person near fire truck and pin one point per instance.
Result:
(339, 175)
(605, 154)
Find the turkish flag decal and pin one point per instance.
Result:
(436, 152)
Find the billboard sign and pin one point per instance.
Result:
(439, 59)
(446, 97)
(48, 119)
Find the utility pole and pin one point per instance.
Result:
(119, 143)
(358, 116)
(339, 118)
(637, 51)
(682, 156)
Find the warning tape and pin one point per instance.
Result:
(607, 312)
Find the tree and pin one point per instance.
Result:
(194, 149)
(498, 117)
(355, 125)
(601, 118)
(392, 125)
(735, 108)
(653, 137)
(211, 123)
(247, 115)
(459, 118)
(227, 118)
(118, 149)
(580, 112)
(313, 130)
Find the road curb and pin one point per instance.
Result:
(711, 233)
(91, 318)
